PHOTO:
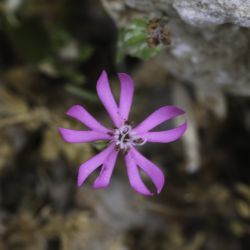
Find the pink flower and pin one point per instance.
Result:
(124, 138)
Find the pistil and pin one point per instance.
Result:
(124, 137)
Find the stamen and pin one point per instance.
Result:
(124, 138)
(139, 141)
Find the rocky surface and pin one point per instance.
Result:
(201, 12)
(206, 12)
(210, 46)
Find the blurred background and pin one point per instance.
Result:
(194, 54)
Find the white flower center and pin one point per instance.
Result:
(124, 137)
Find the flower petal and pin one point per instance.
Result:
(165, 136)
(103, 179)
(154, 172)
(134, 176)
(93, 163)
(157, 117)
(76, 136)
(81, 114)
(107, 98)
(126, 95)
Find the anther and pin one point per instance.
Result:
(124, 138)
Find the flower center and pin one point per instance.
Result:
(124, 138)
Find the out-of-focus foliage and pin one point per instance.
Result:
(40, 39)
(133, 40)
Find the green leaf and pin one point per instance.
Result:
(86, 51)
(133, 41)
(86, 95)
(100, 145)
(139, 23)
(30, 39)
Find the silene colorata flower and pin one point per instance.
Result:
(123, 138)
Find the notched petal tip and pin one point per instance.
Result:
(80, 178)
(79, 181)
(180, 130)
(145, 193)
(61, 131)
(98, 185)
(160, 187)
(154, 172)
(134, 176)
(179, 109)
(173, 110)
(103, 180)
(101, 183)
(73, 109)
(104, 72)
(125, 76)
(103, 77)
(92, 164)
(185, 126)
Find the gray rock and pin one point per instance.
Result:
(211, 57)
(214, 12)
(201, 12)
